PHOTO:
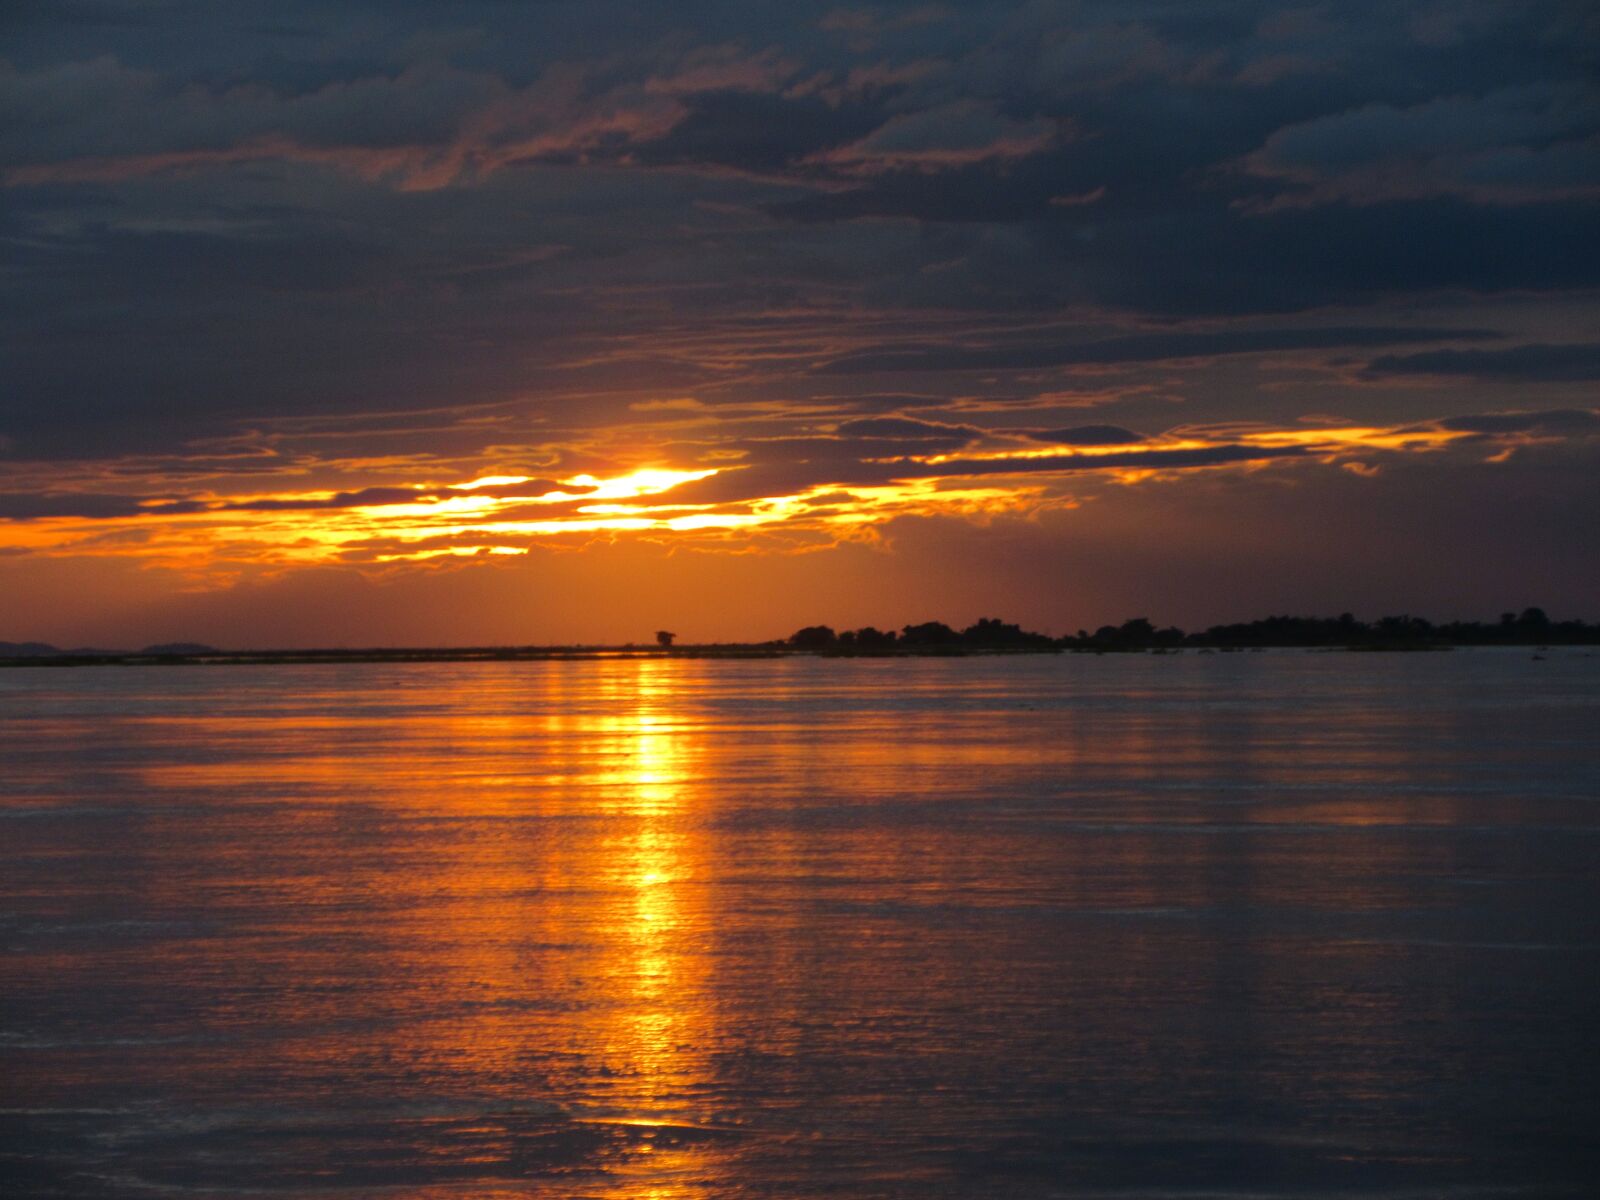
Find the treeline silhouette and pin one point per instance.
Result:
(1531, 627)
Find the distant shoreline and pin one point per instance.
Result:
(652, 653)
(396, 655)
(930, 639)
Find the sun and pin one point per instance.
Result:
(644, 482)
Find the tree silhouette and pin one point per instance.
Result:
(995, 634)
(664, 638)
(813, 637)
(929, 633)
(870, 638)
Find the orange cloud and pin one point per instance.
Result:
(828, 486)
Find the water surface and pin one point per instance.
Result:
(1279, 924)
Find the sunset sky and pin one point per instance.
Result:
(402, 323)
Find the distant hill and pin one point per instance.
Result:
(46, 650)
(28, 650)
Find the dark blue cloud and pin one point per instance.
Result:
(1538, 362)
(906, 428)
(1088, 435)
(1564, 420)
(219, 215)
(1151, 347)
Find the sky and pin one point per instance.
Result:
(333, 324)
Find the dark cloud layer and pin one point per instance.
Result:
(23, 506)
(1154, 347)
(1539, 362)
(1567, 420)
(26, 506)
(368, 497)
(321, 208)
(1088, 435)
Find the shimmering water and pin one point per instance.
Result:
(1228, 925)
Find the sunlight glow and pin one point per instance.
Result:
(492, 481)
(640, 483)
(218, 536)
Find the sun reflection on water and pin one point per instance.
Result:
(643, 1024)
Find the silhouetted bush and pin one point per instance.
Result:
(930, 633)
(993, 633)
(813, 637)
(1401, 632)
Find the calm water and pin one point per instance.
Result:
(1231, 925)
